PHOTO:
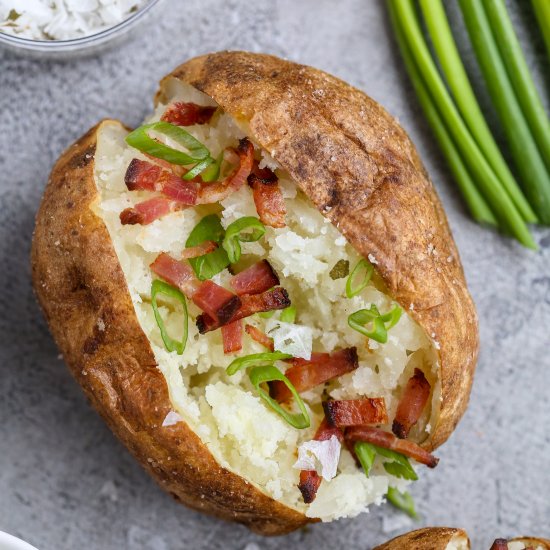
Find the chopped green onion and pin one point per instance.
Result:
(246, 229)
(288, 315)
(160, 287)
(520, 76)
(256, 359)
(340, 270)
(542, 11)
(141, 140)
(380, 323)
(366, 453)
(397, 464)
(212, 173)
(198, 168)
(404, 17)
(365, 270)
(528, 161)
(208, 229)
(455, 74)
(269, 373)
(402, 501)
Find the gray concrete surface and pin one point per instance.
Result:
(66, 483)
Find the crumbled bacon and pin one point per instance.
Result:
(387, 440)
(146, 212)
(259, 336)
(277, 298)
(500, 544)
(356, 412)
(305, 375)
(255, 279)
(310, 480)
(215, 192)
(187, 114)
(216, 302)
(268, 198)
(200, 250)
(178, 274)
(144, 175)
(412, 404)
(232, 335)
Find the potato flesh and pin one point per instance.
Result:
(225, 412)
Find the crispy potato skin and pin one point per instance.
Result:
(437, 538)
(357, 166)
(429, 538)
(360, 169)
(531, 541)
(83, 293)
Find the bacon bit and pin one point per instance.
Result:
(322, 367)
(146, 212)
(412, 404)
(146, 176)
(310, 480)
(356, 412)
(376, 436)
(178, 274)
(141, 174)
(255, 279)
(268, 198)
(216, 192)
(277, 298)
(500, 544)
(232, 335)
(259, 336)
(200, 250)
(187, 114)
(216, 302)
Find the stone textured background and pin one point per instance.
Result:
(65, 482)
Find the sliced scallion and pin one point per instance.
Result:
(288, 315)
(246, 229)
(359, 278)
(141, 140)
(395, 464)
(269, 373)
(366, 453)
(256, 359)
(160, 287)
(208, 229)
(380, 323)
(402, 501)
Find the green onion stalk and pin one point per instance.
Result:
(477, 205)
(523, 148)
(542, 11)
(520, 76)
(509, 217)
(459, 84)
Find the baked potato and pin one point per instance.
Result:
(446, 538)
(262, 272)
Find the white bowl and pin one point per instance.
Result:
(91, 44)
(9, 542)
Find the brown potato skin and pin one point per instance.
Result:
(80, 286)
(429, 538)
(437, 538)
(360, 169)
(376, 191)
(531, 541)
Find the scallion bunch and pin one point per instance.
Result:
(489, 188)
